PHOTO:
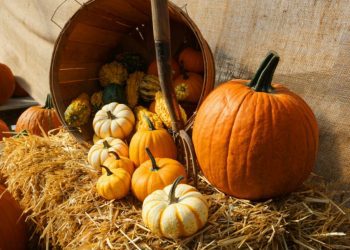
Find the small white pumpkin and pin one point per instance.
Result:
(115, 120)
(177, 210)
(98, 153)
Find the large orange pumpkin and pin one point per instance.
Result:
(35, 117)
(12, 226)
(253, 139)
(3, 128)
(7, 83)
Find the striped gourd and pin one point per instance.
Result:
(148, 88)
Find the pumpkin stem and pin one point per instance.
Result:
(262, 79)
(48, 102)
(115, 154)
(110, 115)
(149, 122)
(154, 163)
(172, 198)
(109, 172)
(106, 144)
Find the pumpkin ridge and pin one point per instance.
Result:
(211, 141)
(178, 218)
(161, 229)
(307, 129)
(230, 141)
(195, 214)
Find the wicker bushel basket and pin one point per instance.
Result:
(102, 28)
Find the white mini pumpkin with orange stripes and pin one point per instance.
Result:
(178, 210)
(115, 120)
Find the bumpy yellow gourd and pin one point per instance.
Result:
(162, 110)
(141, 123)
(112, 73)
(78, 111)
(132, 88)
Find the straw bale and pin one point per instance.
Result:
(53, 182)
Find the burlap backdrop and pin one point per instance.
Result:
(312, 37)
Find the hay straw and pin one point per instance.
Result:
(56, 187)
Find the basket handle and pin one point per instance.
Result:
(161, 32)
(52, 19)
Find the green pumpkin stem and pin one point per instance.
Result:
(115, 154)
(106, 144)
(262, 79)
(154, 163)
(172, 198)
(149, 122)
(110, 115)
(48, 102)
(109, 172)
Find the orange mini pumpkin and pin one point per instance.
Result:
(3, 128)
(153, 69)
(253, 139)
(7, 83)
(159, 141)
(192, 60)
(154, 174)
(188, 87)
(35, 117)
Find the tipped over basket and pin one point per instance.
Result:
(102, 28)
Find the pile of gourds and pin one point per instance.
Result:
(133, 150)
(128, 80)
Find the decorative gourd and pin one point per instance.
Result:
(114, 161)
(78, 112)
(159, 141)
(153, 68)
(114, 93)
(178, 210)
(8, 83)
(115, 120)
(132, 88)
(141, 121)
(149, 86)
(19, 91)
(114, 184)
(131, 61)
(192, 60)
(253, 139)
(3, 128)
(37, 119)
(162, 110)
(12, 226)
(155, 174)
(113, 73)
(188, 87)
(98, 153)
(96, 101)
